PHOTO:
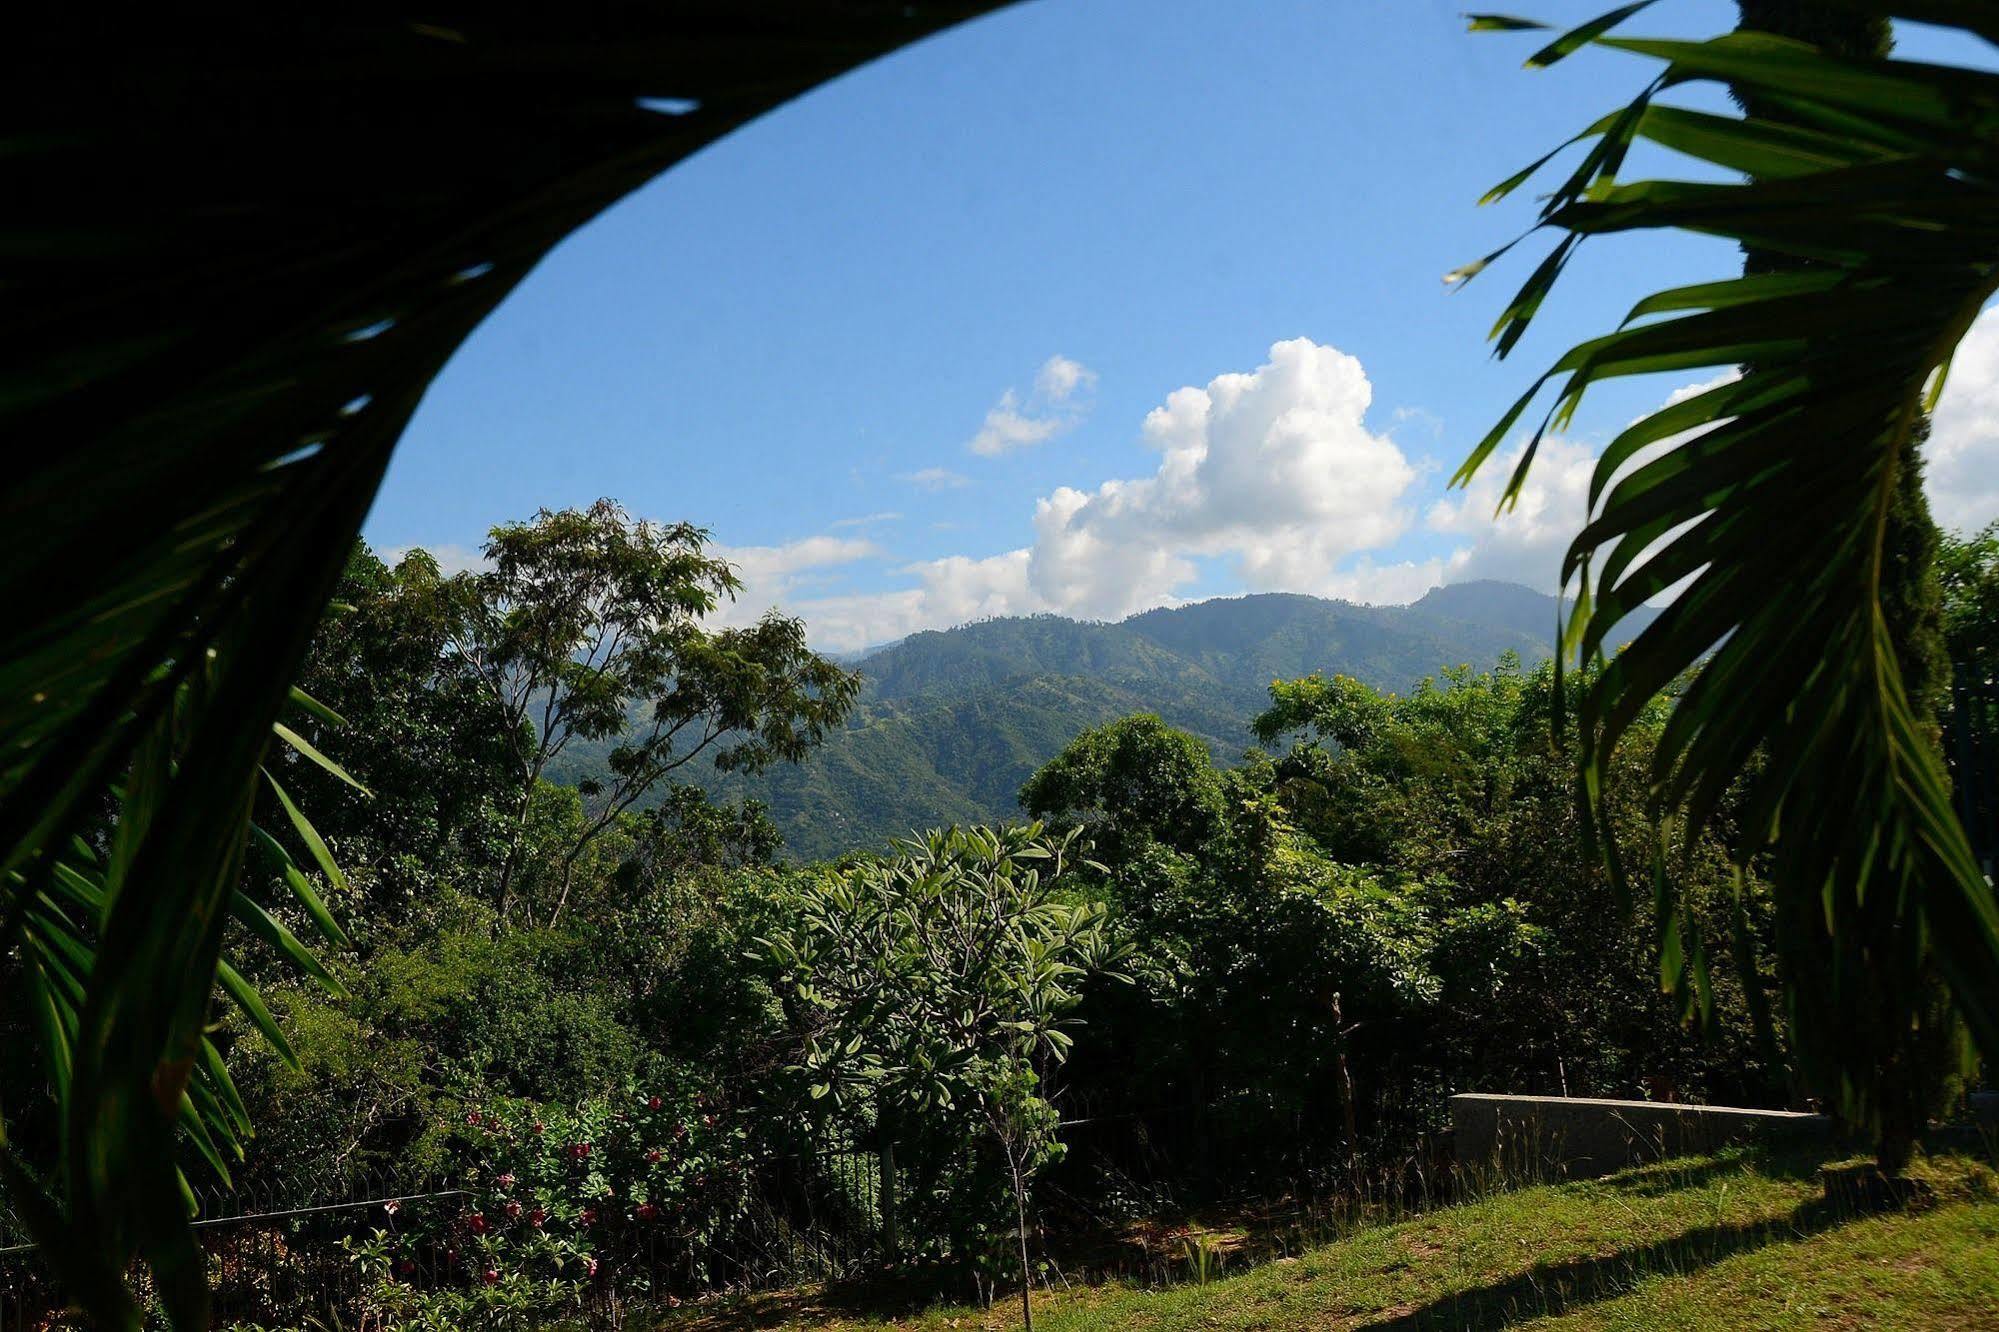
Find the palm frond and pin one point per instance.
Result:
(242, 244)
(1764, 500)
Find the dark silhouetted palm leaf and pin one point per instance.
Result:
(239, 246)
(1763, 499)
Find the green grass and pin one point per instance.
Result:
(1735, 1242)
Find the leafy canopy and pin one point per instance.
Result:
(589, 620)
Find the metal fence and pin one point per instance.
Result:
(282, 1254)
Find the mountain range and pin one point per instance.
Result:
(951, 722)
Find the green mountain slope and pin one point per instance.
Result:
(952, 722)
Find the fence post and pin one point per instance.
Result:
(890, 1240)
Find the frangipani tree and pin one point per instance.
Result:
(934, 984)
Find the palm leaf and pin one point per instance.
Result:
(243, 246)
(1764, 501)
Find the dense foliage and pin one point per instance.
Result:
(1393, 907)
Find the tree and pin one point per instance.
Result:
(1134, 778)
(1770, 505)
(589, 626)
(934, 986)
(418, 729)
(1460, 788)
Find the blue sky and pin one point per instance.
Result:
(994, 325)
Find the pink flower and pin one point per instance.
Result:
(588, 1216)
(654, 1103)
(579, 1150)
(652, 1157)
(540, 1127)
(476, 1223)
(707, 1121)
(490, 1277)
(472, 1116)
(506, 1181)
(647, 1211)
(537, 1218)
(589, 1267)
(513, 1211)
(392, 1206)
(406, 1266)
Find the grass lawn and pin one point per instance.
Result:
(1735, 1242)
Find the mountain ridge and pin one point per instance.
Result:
(951, 721)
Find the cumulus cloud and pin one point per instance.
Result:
(1524, 544)
(1273, 470)
(1963, 452)
(1395, 584)
(1055, 404)
(1274, 473)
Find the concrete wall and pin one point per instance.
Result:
(1549, 1136)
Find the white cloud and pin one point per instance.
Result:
(758, 564)
(951, 591)
(935, 478)
(775, 575)
(1395, 584)
(1053, 407)
(1526, 543)
(1963, 452)
(1007, 428)
(1273, 470)
(1059, 378)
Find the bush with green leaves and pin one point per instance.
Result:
(932, 989)
(489, 1298)
(563, 1198)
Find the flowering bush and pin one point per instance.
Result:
(561, 1198)
(492, 1300)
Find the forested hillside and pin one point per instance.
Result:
(952, 722)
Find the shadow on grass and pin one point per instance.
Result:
(1551, 1289)
(1775, 1161)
